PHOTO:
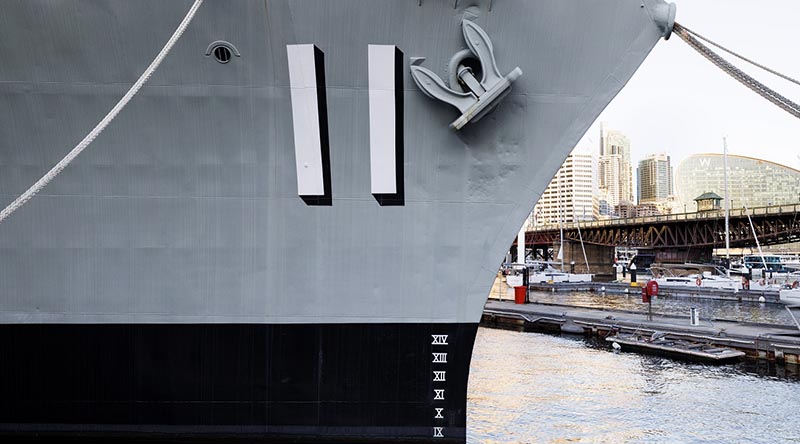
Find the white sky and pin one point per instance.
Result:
(681, 104)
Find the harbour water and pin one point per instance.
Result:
(536, 388)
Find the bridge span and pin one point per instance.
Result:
(684, 237)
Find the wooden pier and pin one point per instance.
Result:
(758, 341)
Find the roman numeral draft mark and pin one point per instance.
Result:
(439, 339)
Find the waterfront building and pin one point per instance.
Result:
(572, 194)
(606, 211)
(670, 206)
(650, 209)
(654, 178)
(614, 167)
(752, 182)
(626, 209)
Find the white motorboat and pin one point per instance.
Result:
(692, 276)
(790, 295)
(544, 272)
(774, 283)
(514, 274)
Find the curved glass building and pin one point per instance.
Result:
(751, 181)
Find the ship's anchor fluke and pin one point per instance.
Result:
(482, 96)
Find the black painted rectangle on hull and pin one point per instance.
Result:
(373, 382)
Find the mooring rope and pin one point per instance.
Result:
(741, 57)
(748, 81)
(50, 175)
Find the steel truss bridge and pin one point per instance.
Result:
(776, 224)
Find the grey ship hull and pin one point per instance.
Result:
(175, 280)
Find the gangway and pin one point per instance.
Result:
(789, 308)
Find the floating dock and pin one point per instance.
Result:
(758, 341)
(676, 347)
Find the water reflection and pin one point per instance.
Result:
(532, 388)
(710, 309)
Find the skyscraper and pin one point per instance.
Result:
(572, 194)
(614, 167)
(751, 181)
(654, 177)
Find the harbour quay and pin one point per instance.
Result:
(758, 341)
(626, 288)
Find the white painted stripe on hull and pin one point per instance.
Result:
(382, 119)
(305, 120)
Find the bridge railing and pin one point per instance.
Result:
(703, 215)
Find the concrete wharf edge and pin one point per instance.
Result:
(758, 341)
(625, 287)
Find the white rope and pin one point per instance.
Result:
(41, 183)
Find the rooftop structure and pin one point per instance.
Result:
(708, 202)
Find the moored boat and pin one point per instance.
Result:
(545, 273)
(542, 273)
(789, 295)
(694, 276)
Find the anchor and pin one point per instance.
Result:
(480, 97)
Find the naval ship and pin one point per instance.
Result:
(289, 234)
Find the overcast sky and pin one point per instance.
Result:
(681, 104)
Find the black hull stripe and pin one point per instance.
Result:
(367, 382)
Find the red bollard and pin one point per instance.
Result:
(520, 294)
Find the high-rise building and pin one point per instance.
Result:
(654, 177)
(572, 194)
(614, 167)
(752, 182)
